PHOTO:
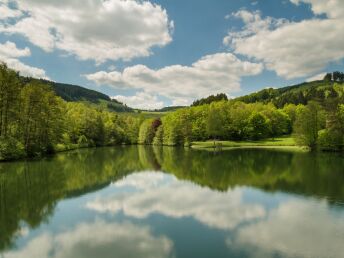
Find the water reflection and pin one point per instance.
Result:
(240, 203)
(177, 199)
(98, 239)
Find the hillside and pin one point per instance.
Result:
(297, 94)
(75, 93)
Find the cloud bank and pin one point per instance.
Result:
(93, 29)
(10, 54)
(211, 74)
(292, 49)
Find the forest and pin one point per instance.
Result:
(34, 121)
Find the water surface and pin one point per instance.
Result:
(170, 202)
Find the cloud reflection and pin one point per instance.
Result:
(99, 239)
(172, 198)
(296, 228)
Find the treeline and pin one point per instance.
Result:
(335, 76)
(316, 125)
(34, 121)
(298, 94)
(224, 120)
(210, 99)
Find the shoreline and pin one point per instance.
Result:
(282, 143)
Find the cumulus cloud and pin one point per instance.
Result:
(9, 53)
(292, 49)
(97, 30)
(6, 12)
(180, 199)
(316, 77)
(211, 74)
(141, 100)
(107, 239)
(297, 228)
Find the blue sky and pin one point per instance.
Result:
(163, 52)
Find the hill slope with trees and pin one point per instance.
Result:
(35, 121)
(75, 93)
(332, 86)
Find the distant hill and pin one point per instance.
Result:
(297, 94)
(169, 109)
(75, 93)
(71, 92)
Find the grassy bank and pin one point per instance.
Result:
(276, 143)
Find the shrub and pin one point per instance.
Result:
(11, 148)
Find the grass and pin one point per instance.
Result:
(276, 143)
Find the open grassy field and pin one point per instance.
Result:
(277, 143)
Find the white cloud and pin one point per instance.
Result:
(181, 199)
(332, 8)
(6, 12)
(292, 49)
(9, 53)
(141, 100)
(211, 74)
(297, 228)
(107, 239)
(316, 77)
(98, 30)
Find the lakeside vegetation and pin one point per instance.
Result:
(34, 121)
(285, 142)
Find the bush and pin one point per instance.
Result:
(11, 148)
(330, 140)
(83, 142)
(159, 136)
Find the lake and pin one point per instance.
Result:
(173, 202)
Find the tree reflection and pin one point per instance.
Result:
(29, 191)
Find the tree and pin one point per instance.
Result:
(214, 123)
(210, 99)
(159, 136)
(328, 77)
(309, 120)
(147, 131)
(41, 118)
(258, 125)
(10, 88)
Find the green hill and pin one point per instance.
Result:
(297, 94)
(75, 93)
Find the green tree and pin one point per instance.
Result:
(10, 88)
(146, 133)
(214, 123)
(41, 118)
(159, 136)
(309, 120)
(258, 125)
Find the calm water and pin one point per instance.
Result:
(146, 202)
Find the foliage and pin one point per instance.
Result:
(147, 132)
(258, 126)
(299, 94)
(214, 122)
(75, 93)
(159, 136)
(210, 99)
(11, 149)
(309, 120)
(34, 119)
